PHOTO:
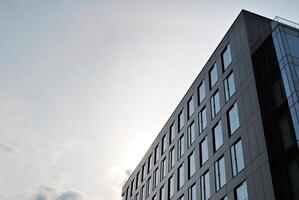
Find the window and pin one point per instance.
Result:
(170, 187)
(163, 148)
(213, 75)
(132, 187)
(149, 186)
(220, 175)
(224, 198)
(181, 197)
(205, 186)
(143, 172)
(155, 197)
(190, 107)
(215, 104)
(241, 192)
(181, 147)
(202, 119)
(171, 158)
(192, 192)
(137, 179)
(217, 136)
(191, 134)
(137, 196)
(149, 164)
(156, 153)
(233, 119)
(229, 86)
(142, 193)
(201, 92)
(127, 193)
(181, 176)
(171, 133)
(191, 165)
(226, 57)
(162, 193)
(181, 120)
(163, 168)
(237, 157)
(204, 154)
(155, 179)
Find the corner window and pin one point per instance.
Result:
(237, 157)
(213, 75)
(226, 57)
(233, 119)
(201, 92)
(217, 136)
(215, 104)
(202, 120)
(229, 86)
(205, 186)
(191, 134)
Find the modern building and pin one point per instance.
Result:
(235, 133)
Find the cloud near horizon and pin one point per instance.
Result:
(47, 193)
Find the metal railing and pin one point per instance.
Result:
(281, 20)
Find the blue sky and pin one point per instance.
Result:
(86, 86)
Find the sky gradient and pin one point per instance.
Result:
(86, 86)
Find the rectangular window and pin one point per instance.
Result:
(162, 193)
(132, 187)
(229, 86)
(204, 154)
(156, 153)
(181, 147)
(241, 192)
(191, 165)
(202, 120)
(171, 133)
(181, 176)
(215, 104)
(205, 186)
(190, 107)
(154, 197)
(149, 186)
(213, 75)
(224, 198)
(171, 158)
(201, 92)
(149, 164)
(142, 193)
(143, 172)
(237, 157)
(217, 135)
(163, 168)
(191, 134)
(181, 120)
(137, 180)
(226, 57)
(192, 192)
(170, 187)
(164, 145)
(220, 175)
(156, 177)
(181, 197)
(233, 119)
(137, 196)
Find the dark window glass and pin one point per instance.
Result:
(181, 146)
(181, 176)
(170, 187)
(202, 120)
(163, 143)
(132, 187)
(191, 165)
(162, 193)
(192, 192)
(215, 104)
(213, 75)
(220, 175)
(226, 57)
(201, 92)
(163, 168)
(204, 154)
(181, 120)
(241, 192)
(149, 164)
(293, 44)
(171, 133)
(137, 180)
(205, 186)
(191, 134)
(190, 107)
(156, 153)
(237, 157)
(233, 119)
(171, 158)
(217, 135)
(143, 172)
(229, 86)
(155, 197)
(156, 177)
